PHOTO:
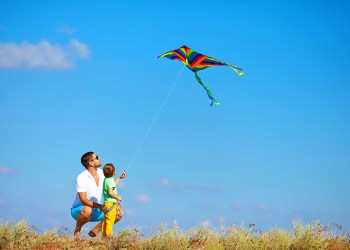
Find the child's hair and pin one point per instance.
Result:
(108, 170)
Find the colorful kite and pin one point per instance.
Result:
(195, 62)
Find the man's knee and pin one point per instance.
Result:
(118, 217)
(86, 212)
(120, 211)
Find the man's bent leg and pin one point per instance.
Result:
(94, 232)
(82, 218)
(97, 215)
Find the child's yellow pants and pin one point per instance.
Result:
(109, 218)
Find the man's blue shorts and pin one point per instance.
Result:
(97, 214)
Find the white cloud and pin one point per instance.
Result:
(67, 30)
(261, 207)
(6, 170)
(142, 198)
(192, 185)
(79, 48)
(212, 187)
(164, 182)
(42, 55)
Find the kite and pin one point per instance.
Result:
(195, 62)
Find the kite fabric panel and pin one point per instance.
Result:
(196, 62)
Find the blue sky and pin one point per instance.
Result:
(84, 76)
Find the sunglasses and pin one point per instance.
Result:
(96, 158)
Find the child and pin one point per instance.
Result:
(111, 207)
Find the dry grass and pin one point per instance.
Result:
(313, 236)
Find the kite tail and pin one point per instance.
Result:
(208, 90)
(237, 70)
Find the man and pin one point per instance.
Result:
(89, 199)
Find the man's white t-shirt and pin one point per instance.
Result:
(86, 183)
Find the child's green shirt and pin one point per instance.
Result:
(109, 183)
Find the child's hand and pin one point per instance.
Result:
(123, 175)
(119, 198)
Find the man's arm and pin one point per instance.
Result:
(87, 202)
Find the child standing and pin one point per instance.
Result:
(112, 210)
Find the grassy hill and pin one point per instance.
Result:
(20, 235)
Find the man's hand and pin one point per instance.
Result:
(99, 206)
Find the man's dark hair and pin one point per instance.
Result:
(86, 158)
(108, 170)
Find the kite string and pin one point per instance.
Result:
(154, 120)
